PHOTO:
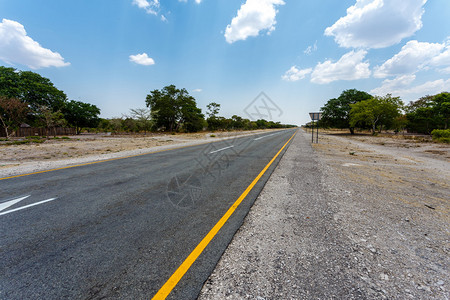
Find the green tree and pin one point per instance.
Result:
(143, 116)
(80, 114)
(212, 109)
(12, 113)
(50, 119)
(441, 107)
(377, 111)
(174, 109)
(336, 112)
(31, 88)
(428, 113)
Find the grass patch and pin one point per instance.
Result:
(441, 135)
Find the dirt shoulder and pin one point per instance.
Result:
(353, 217)
(73, 150)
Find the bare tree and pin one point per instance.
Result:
(12, 113)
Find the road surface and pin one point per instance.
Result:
(119, 229)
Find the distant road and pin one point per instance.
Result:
(119, 229)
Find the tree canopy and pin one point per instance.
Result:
(80, 114)
(31, 88)
(377, 111)
(174, 109)
(336, 112)
(428, 113)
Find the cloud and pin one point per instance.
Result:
(401, 86)
(415, 56)
(142, 59)
(388, 86)
(17, 47)
(196, 1)
(412, 57)
(197, 90)
(349, 67)
(294, 74)
(310, 49)
(377, 23)
(253, 16)
(151, 7)
(443, 59)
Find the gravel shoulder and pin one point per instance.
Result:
(348, 218)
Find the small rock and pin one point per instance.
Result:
(440, 282)
(384, 276)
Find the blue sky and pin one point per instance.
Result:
(299, 53)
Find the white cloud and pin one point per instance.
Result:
(197, 90)
(17, 47)
(253, 16)
(196, 1)
(142, 59)
(442, 60)
(412, 57)
(405, 90)
(388, 86)
(294, 74)
(349, 67)
(151, 7)
(377, 23)
(310, 49)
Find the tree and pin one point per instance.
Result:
(50, 118)
(174, 109)
(336, 112)
(428, 113)
(31, 88)
(12, 113)
(441, 107)
(377, 111)
(213, 109)
(143, 116)
(80, 114)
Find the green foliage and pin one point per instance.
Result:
(377, 111)
(143, 119)
(80, 114)
(31, 88)
(336, 112)
(212, 109)
(428, 113)
(441, 135)
(174, 110)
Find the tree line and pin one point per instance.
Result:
(28, 98)
(358, 109)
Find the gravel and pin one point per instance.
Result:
(344, 219)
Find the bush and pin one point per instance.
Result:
(441, 135)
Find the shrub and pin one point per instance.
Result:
(441, 135)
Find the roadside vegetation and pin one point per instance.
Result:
(358, 110)
(29, 100)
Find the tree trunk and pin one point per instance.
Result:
(352, 130)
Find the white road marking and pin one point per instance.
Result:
(261, 137)
(221, 149)
(26, 206)
(7, 204)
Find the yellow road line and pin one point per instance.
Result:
(184, 267)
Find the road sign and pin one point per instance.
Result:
(315, 116)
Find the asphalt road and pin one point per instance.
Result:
(119, 229)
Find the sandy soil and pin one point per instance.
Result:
(57, 153)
